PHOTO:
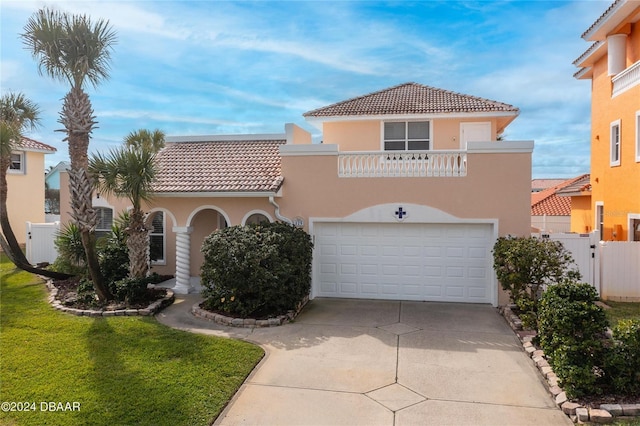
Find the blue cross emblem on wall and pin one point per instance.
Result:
(400, 213)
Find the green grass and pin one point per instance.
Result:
(122, 370)
(622, 310)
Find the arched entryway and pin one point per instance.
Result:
(203, 221)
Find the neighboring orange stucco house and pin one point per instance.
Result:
(612, 63)
(25, 180)
(404, 198)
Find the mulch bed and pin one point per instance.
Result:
(68, 291)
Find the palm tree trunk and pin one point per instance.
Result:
(78, 120)
(26, 266)
(137, 243)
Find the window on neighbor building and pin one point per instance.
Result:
(157, 238)
(407, 135)
(638, 136)
(17, 163)
(615, 143)
(105, 221)
(635, 229)
(600, 219)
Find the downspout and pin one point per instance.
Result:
(272, 201)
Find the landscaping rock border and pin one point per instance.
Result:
(577, 413)
(199, 312)
(150, 310)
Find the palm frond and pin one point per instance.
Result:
(70, 47)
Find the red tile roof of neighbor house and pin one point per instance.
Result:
(412, 98)
(220, 166)
(33, 145)
(549, 202)
(538, 185)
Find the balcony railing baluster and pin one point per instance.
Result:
(402, 164)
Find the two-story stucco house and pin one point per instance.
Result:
(612, 64)
(404, 197)
(25, 180)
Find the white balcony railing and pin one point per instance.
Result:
(626, 79)
(402, 164)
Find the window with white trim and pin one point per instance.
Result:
(600, 219)
(638, 136)
(157, 238)
(105, 221)
(615, 143)
(17, 163)
(407, 135)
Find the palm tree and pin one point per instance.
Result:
(17, 114)
(129, 172)
(73, 49)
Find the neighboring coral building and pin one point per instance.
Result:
(612, 63)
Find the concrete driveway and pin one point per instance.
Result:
(364, 362)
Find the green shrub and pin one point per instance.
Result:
(525, 266)
(571, 330)
(623, 358)
(131, 290)
(113, 253)
(86, 292)
(256, 270)
(71, 257)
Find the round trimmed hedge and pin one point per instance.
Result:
(257, 270)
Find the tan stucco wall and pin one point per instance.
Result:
(617, 186)
(200, 213)
(497, 187)
(366, 135)
(25, 195)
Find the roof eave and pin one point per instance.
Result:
(584, 74)
(216, 194)
(610, 20)
(596, 51)
(318, 120)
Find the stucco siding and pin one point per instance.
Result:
(25, 195)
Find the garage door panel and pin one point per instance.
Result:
(404, 261)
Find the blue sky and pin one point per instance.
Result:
(218, 67)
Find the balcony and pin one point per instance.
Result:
(626, 79)
(402, 164)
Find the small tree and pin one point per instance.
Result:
(130, 172)
(524, 266)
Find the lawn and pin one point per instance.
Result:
(119, 370)
(622, 310)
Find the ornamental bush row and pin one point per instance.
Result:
(256, 270)
(572, 334)
(525, 266)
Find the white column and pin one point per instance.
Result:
(183, 257)
(616, 53)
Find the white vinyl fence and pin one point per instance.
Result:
(620, 270)
(40, 242)
(612, 267)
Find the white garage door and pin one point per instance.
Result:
(403, 261)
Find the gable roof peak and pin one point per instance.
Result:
(412, 98)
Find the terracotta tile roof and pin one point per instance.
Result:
(411, 98)
(578, 187)
(550, 203)
(33, 145)
(220, 166)
(540, 184)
